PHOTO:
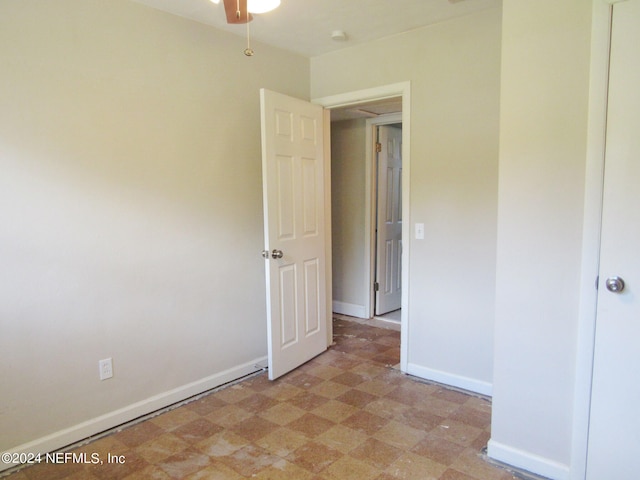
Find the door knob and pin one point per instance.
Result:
(265, 254)
(615, 284)
(276, 253)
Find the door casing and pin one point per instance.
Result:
(403, 90)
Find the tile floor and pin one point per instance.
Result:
(346, 415)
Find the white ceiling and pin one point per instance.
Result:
(367, 109)
(305, 26)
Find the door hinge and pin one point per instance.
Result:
(378, 147)
(376, 286)
(597, 281)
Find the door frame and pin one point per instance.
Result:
(402, 90)
(590, 262)
(371, 199)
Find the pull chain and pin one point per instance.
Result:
(248, 51)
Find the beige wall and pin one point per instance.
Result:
(348, 211)
(543, 141)
(454, 70)
(130, 211)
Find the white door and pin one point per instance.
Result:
(389, 220)
(294, 221)
(614, 426)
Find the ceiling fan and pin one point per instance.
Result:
(239, 11)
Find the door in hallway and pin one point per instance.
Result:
(389, 220)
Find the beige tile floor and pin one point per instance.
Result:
(345, 415)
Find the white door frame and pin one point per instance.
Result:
(403, 90)
(594, 187)
(371, 194)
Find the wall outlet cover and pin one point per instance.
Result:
(106, 368)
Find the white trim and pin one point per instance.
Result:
(94, 426)
(526, 461)
(594, 178)
(370, 200)
(402, 89)
(363, 96)
(451, 379)
(350, 309)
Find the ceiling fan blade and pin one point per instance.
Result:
(231, 9)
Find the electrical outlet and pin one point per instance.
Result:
(106, 368)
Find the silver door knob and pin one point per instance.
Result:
(615, 284)
(265, 254)
(276, 253)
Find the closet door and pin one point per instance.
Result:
(614, 427)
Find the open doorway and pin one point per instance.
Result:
(356, 298)
(366, 153)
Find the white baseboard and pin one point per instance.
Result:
(94, 426)
(527, 461)
(458, 381)
(350, 309)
